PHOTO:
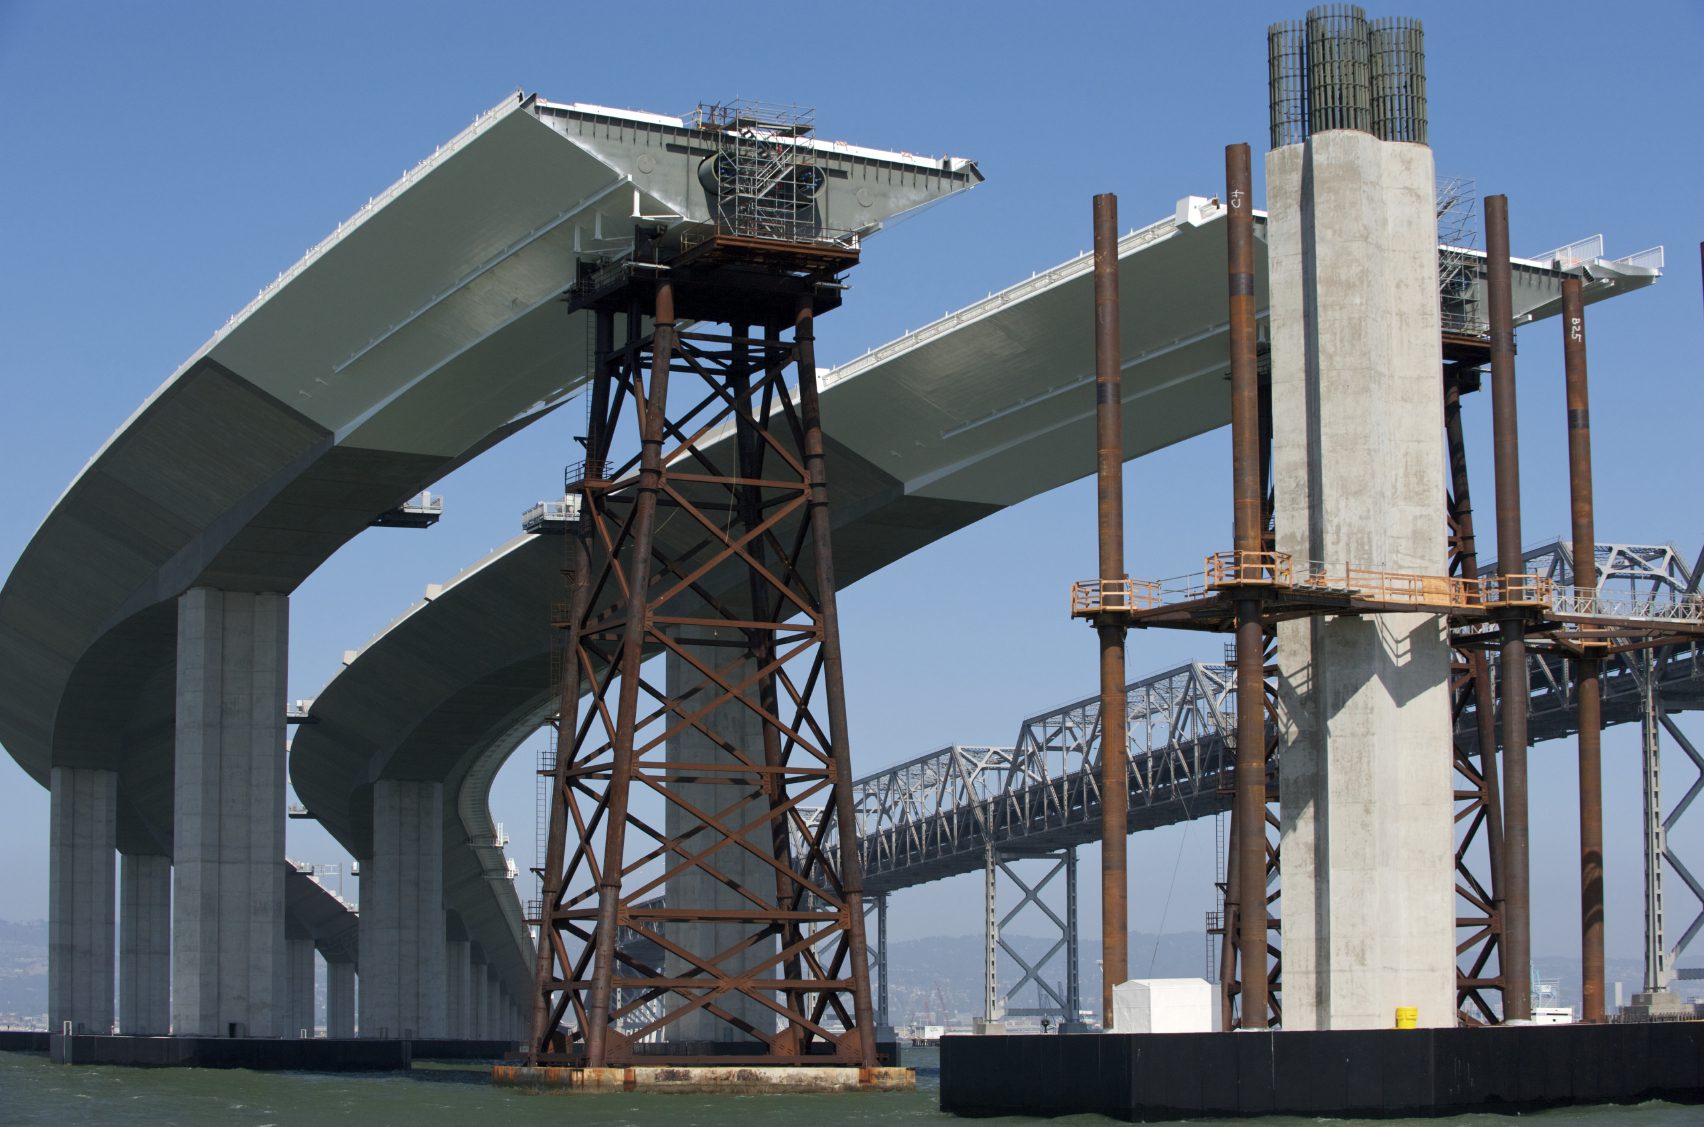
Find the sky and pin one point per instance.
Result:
(163, 162)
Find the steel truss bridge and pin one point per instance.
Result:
(970, 808)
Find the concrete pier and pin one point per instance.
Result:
(458, 997)
(1368, 868)
(493, 1004)
(82, 855)
(403, 948)
(739, 726)
(144, 944)
(299, 962)
(707, 1079)
(339, 998)
(478, 985)
(228, 962)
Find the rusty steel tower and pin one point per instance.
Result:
(702, 899)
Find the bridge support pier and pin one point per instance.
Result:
(478, 985)
(457, 987)
(299, 963)
(403, 947)
(1367, 825)
(339, 998)
(494, 996)
(731, 730)
(83, 827)
(228, 961)
(145, 944)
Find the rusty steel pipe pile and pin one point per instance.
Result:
(1249, 817)
(1109, 470)
(1588, 667)
(1517, 880)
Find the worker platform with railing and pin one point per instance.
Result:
(1579, 616)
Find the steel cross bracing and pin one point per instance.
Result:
(694, 790)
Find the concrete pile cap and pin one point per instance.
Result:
(699, 1079)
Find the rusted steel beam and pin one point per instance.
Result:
(851, 870)
(579, 589)
(632, 655)
(795, 981)
(1471, 984)
(1517, 882)
(1587, 670)
(1249, 530)
(1109, 480)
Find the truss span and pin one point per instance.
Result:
(933, 816)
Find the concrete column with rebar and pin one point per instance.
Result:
(1367, 811)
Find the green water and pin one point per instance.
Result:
(34, 1092)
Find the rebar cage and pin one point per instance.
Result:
(1336, 70)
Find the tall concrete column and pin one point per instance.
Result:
(1367, 818)
(477, 985)
(493, 1015)
(145, 944)
(82, 853)
(339, 998)
(457, 989)
(403, 949)
(739, 726)
(228, 957)
(299, 973)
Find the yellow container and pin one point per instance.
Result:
(1407, 1017)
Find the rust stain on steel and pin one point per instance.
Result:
(1109, 481)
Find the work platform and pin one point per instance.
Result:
(1335, 1073)
(1572, 618)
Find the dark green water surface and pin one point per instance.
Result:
(34, 1092)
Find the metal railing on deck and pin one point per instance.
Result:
(1657, 606)
(1094, 596)
(1279, 571)
(1257, 569)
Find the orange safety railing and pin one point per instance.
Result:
(1278, 570)
(1265, 569)
(1518, 591)
(1096, 596)
(1415, 590)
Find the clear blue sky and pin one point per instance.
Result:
(165, 161)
